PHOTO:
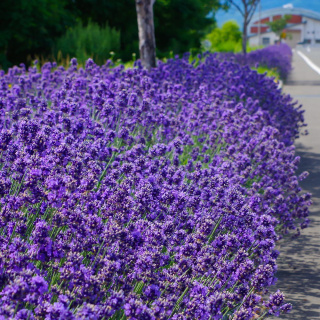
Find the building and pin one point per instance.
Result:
(303, 27)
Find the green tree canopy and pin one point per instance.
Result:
(29, 27)
(278, 25)
(225, 38)
(180, 24)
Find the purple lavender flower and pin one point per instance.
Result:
(129, 194)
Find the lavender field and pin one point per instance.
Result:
(276, 57)
(128, 194)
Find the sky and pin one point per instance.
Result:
(233, 14)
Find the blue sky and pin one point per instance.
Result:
(233, 14)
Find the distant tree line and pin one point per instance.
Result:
(37, 27)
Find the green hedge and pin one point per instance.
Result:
(90, 41)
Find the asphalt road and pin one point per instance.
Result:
(311, 52)
(299, 261)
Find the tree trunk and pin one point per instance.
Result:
(147, 42)
(244, 37)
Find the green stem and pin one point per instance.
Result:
(214, 230)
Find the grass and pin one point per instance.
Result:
(271, 73)
(65, 62)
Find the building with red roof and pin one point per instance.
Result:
(303, 27)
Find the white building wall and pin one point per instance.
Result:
(311, 30)
(254, 40)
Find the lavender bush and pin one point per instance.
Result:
(273, 57)
(128, 194)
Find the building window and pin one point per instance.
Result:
(317, 40)
(265, 41)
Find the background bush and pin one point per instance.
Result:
(88, 41)
(225, 39)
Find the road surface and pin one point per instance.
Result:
(299, 261)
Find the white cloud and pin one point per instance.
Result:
(288, 6)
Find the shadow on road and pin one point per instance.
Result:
(299, 261)
(310, 162)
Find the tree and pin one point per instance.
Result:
(181, 24)
(226, 38)
(247, 9)
(147, 41)
(278, 25)
(30, 27)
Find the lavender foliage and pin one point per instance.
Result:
(273, 57)
(128, 194)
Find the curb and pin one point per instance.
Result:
(280, 84)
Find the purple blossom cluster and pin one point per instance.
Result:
(273, 57)
(128, 194)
